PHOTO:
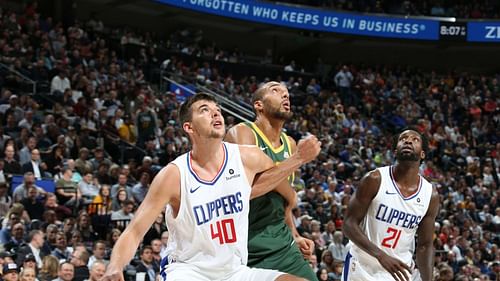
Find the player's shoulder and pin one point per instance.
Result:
(374, 174)
(241, 134)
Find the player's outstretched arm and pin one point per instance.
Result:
(164, 189)
(425, 247)
(256, 161)
(356, 211)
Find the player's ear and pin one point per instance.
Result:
(422, 155)
(187, 127)
(258, 105)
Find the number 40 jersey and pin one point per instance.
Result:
(392, 221)
(210, 231)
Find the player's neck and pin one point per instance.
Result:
(270, 127)
(207, 151)
(406, 173)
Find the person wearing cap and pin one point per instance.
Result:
(29, 262)
(10, 272)
(305, 225)
(5, 258)
(99, 158)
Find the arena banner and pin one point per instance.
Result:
(182, 92)
(315, 19)
(483, 31)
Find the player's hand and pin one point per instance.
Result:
(113, 274)
(306, 246)
(398, 269)
(308, 148)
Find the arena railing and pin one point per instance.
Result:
(18, 74)
(226, 104)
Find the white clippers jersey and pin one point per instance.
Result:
(392, 220)
(211, 228)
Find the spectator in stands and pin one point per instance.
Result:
(102, 202)
(28, 274)
(55, 160)
(49, 269)
(147, 123)
(66, 272)
(25, 152)
(88, 188)
(60, 83)
(31, 203)
(327, 261)
(156, 248)
(62, 212)
(140, 189)
(100, 158)
(35, 166)
(98, 253)
(21, 191)
(34, 247)
(156, 230)
(79, 259)
(337, 248)
(83, 164)
(164, 243)
(61, 251)
(146, 263)
(85, 227)
(51, 231)
(5, 199)
(103, 176)
(67, 190)
(16, 238)
(343, 80)
(119, 199)
(29, 262)
(15, 214)
(10, 272)
(121, 184)
(113, 236)
(126, 212)
(97, 271)
(11, 166)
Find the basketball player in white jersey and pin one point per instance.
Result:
(207, 193)
(390, 206)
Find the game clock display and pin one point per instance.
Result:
(453, 31)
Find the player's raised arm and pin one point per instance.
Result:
(356, 211)
(165, 188)
(273, 175)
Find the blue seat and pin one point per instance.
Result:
(47, 184)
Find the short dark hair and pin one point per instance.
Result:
(97, 243)
(145, 248)
(185, 112)
(262, 90)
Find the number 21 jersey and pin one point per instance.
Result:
(392, 219)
